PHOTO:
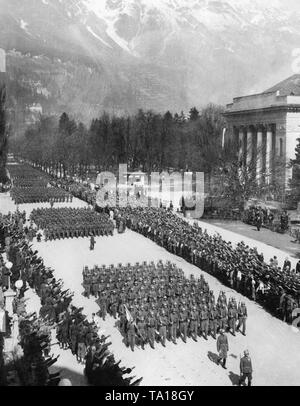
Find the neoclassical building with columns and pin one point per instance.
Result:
(267, 126)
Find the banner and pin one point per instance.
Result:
(128, 315)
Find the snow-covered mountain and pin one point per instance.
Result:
(85, 56)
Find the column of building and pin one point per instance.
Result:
(259, 155)
(256, 144)
(269, 154)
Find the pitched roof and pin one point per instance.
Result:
(287, 87)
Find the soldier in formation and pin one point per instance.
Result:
(70, 222)
(156, 302)
(38, 194)
(241, 267)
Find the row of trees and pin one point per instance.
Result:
(146, 141)
(149, 142)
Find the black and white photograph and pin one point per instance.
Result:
(150, 195)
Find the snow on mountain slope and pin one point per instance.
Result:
(120, 55)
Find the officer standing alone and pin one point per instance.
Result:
(246, 369)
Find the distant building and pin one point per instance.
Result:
(267, 126)
(33, 113)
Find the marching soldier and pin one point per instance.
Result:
(103, 304)
(87, 283)
(246, 369)
(213, 321)
(92, 243)
(131, 327)
(73, 337)
(194, 323)
(222, 317)
(242, 316)
(162, 324)
(232, 317)
(142, 331)
(122, 317)
(183, 322)
(204, 321)
(113, 304)
(173, 325)
(152, 325)
(222, 348)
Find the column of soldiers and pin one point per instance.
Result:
(70, 222)
(241, 267)
(33, 186)
(156, 302)
(37, 194)
(24, 174)
(77, 189)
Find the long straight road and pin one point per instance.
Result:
(274, 346)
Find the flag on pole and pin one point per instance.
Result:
(128, 315)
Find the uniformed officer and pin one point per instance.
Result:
(194, 323)
(213, 321)
(152, 325)
(222, 316)
(162, 325)
(183, 323)
(142, 331)
(173, 325)
(232, 318)
(131, 329)
(73, 337)
(103, 304)
(222, 348)
(87, 283)
(242, 317)
(113, 304)
(204, 321)
(92, 243)
(246, 369)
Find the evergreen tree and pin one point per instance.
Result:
(194, 114)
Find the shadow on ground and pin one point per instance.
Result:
(213, 357)
(234, 378)
(74, 377)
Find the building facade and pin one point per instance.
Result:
(267, 126)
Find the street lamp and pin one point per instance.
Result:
(18, 285)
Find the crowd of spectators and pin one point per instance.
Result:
(56, 309)
(273, 220)
(240, 267)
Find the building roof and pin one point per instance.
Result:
(288, 87)
(283, 96)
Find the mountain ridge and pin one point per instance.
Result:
(117, 55)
